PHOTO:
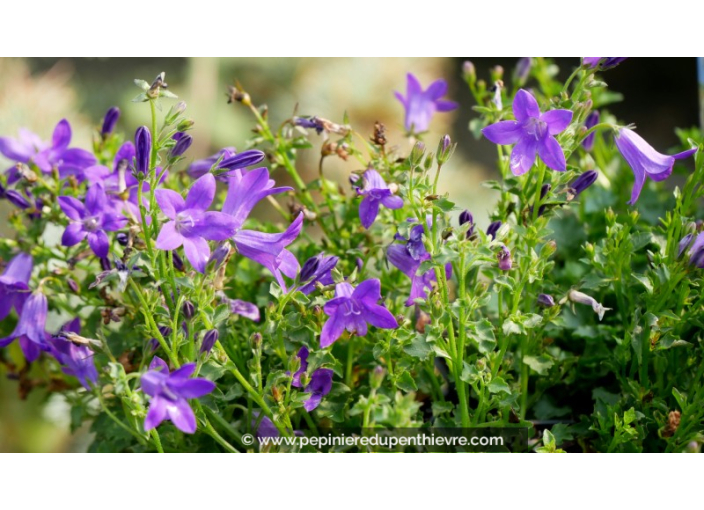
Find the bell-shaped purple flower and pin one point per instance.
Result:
(316, 270)
(183, 142)
(143, 150)
(375, 192)
(191, 223)
(30, 329)
(592, 120)
(110, 120)
(77, 360)
(532, 132)
(319, 385)
(421, 105)
(202, 166)
(90, 220)
(14, 289)
(644, 160)
(245, 190)
(14, 197)
(581, 183)
(170, 392)
(244, 308)
(352, 309)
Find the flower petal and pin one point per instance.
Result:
(72, 207)
(380, 317)
(392, 202)
(443, 105)
(61, 137)
(333, 329)
(523, 156)
(216, 226)
(369, 291)
(96, 200)
(368, 211)
(437, 89)
(525, 106)
(170, 202)
(557, 120)
(197, 251)
(503, 133)
(551, 154)
(73, 234)
(185, 371)
(156, 413)
(181, 414)
(169, 238)
(191, 388)
(99, 243)
(202, 193)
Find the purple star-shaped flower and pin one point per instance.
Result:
(316, 270)
(30, 329)
(191, 223)
(352, 309)
(245, 189)
(91, 220)
(14, 289)
(170, 392)
(77, 360)
(420, 105)
(644, 160)
(375, 192)
(29, 148)
(319, 385)
(532, 132)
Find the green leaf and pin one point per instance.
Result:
(406, 383)
(419, 348)
(646, 282)
(541, 364)
(509, 327)
(498, 385)
(532, 320)
(483, 333)
(470, 374)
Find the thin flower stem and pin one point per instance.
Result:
(145, 228)
(117, 420)
(571, 77)
(157, 441)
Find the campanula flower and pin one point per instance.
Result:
(319, 385)
(696, 252)
(170, 392)
(29, 148)
(420, 105)
(684, 244)
(90, 220)
(602, 63)
(503, 256)
(546, 300)
(578, 297)
(644, 160)
(30, 329)
(581, 183)
(14, 289)
(110, 120)
(143, 150)
(244, 308)
(352, 309)
(592, 120)
(211, 336)
(316, 270)
(532, 132)
(183, 142)
(14, 197)
(230, 162)
(201, 167)
(76, 360)
(492, 229)
(375, 192)
(191, 224)
(466, 217)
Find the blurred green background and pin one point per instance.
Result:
(661, 94)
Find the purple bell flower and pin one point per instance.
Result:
(375, 192)
(77, 360)
(532, 132)
(202, 166)
(352, 309)
(503, 257)
(110, 120)
(143, 150)
(90, 221)
(14, 289)
(183, 142)
(169, 394)
(592, 120)
(191, 224)
(644, 160)
(319, 385)
(421, 105)
(316, 270)
(30, 329)
(14, 197)
(244, 308)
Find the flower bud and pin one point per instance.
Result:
(220, 254)
(143, 150)
(445, 150)
(469, 72)
(183, 142)
(184, 125)
(579, 297)
(466, 217)
(188, 309)
(309, 268)
(522, 70)
(492, 229)
(417, 153)
(72, 285)
(546, 300)
(256, 340)
(581, 183)
(592, 120)
(377, 377)
(105, 264)
(110, 120)
(178, 261)
(242, 160)
(17, 199)
(504, 258)
(122, 238)
(211, 336)
(174, 112)
(684, 244)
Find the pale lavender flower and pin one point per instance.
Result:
(578, 297)
(90, 220)
(421, 105)
(191, 224)
(30, 329)
(375, 192)
(352, 309)
(14, 289)
(503, 256)
(169, 394)
(644, 160)
(532, 132)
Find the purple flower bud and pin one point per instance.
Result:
(219, 254)
(309, 123)
(211, 336)
(242, 160)
(122, 238)
(105, 264)
(504, 258)
(359, 263)
(354, 178)
(165, 331)
(417, 153)
(582, 182)
(178, 261)
(153, 345)
(143, 149)
(684, 244)
(546, 300)
(309, 268)
(492, 229)
(72, 285)
(466, 217)
(17, 199)
(523, 69)
(37, 211)
(188, 310)
(468, 70)
(592, 120)
(111, 117)
(544, 190)
(183, 142)
(445, 150)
